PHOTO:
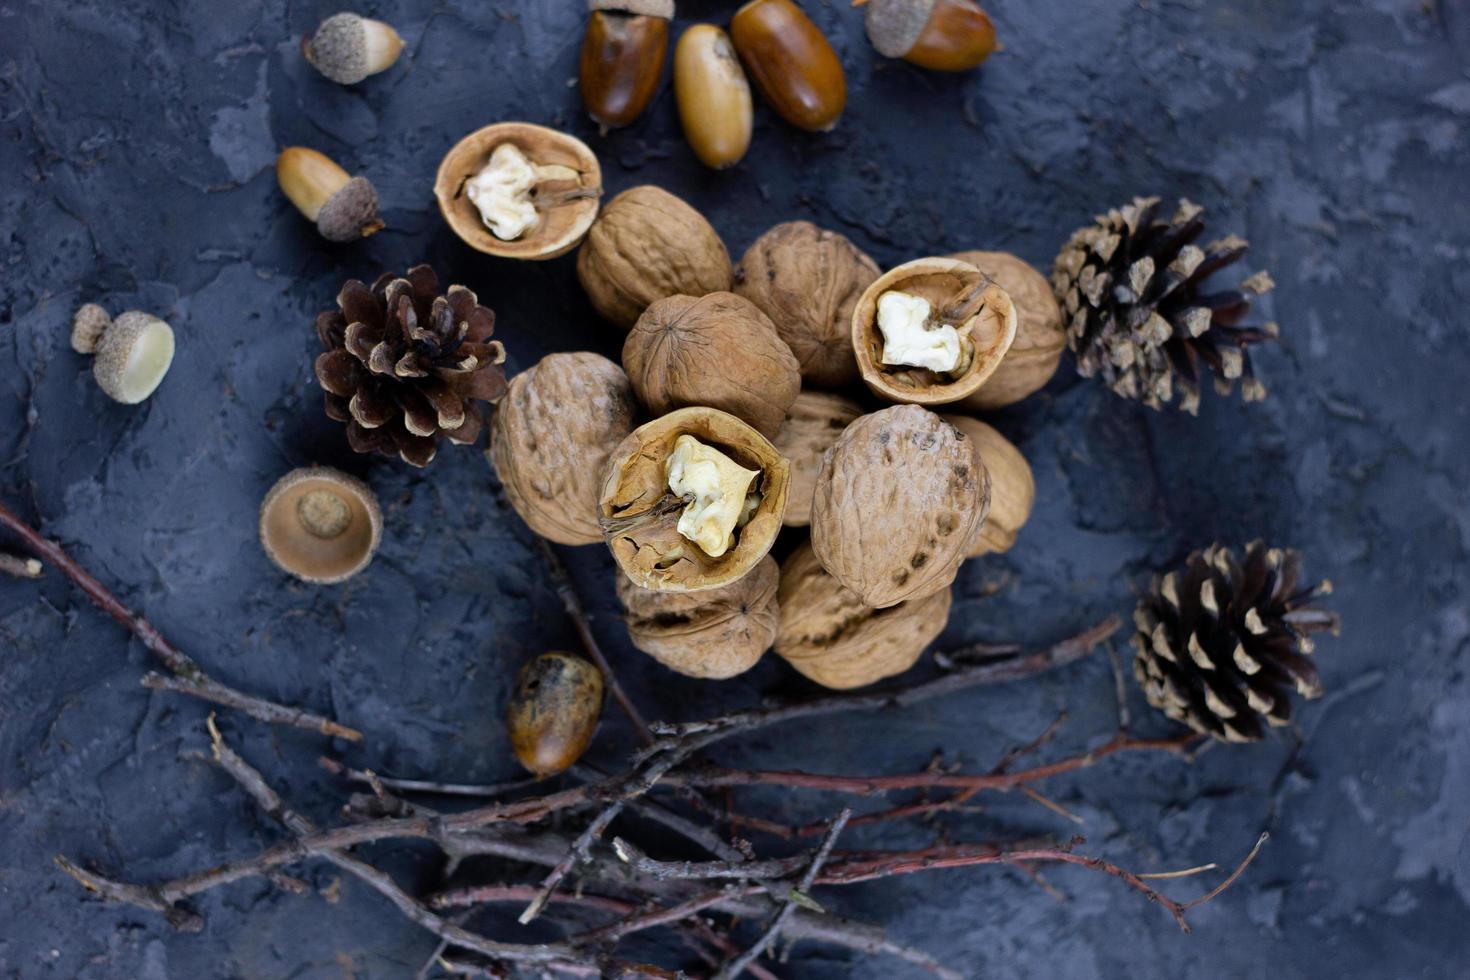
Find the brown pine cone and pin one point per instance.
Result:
(1221, 644)
(1134, 290)
(404, 365)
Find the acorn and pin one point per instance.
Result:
(943, 35)
(344, 208)
(554, 712)
(133, 352)
(713, 96)
(623, 56)
(347, 48)
(320, 525)
(791, 62)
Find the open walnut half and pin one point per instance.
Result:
(931, 331)
(692, 500)
(519, 191)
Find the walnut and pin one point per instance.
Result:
(648, 244)
(931, 331)
(641, 516)
(1040, 335)
(901, 498)
(716, 350)
(713, 634)
(552, 434)
(1012, 488)
(827, 632)
(812, 425)
(807, 280)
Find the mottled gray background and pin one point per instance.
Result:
(136, 143)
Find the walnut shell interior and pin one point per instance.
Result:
(320, 524)
(639, 515)
(1040, 335)
(567, 205)
(830, 635)
(714, 634)
(961, 296)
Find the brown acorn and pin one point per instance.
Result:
(623, 57)
(554, 712)
(943, 35)
(791, 62)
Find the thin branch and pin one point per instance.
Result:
(19, 567)
(1239, 870)
(577, 852)
(998, 672)
(794, 898)
(428, 786)
(705, 870)
(567, 590)
(189, 678)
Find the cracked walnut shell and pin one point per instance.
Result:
(1040, 336)
(812, 425)
(1012, 487)
(717, 350)
(714, 634)
(829, 634)
(640, 515)
(808, 280)
(957, 297)
(552, 434)
(648, 244)
(901, 498)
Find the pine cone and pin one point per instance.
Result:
(404, 365)
(1133, 288)
(1221, 644)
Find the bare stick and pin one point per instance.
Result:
(788, 907)
(428, 786)
(577, 852)
(189, 677)
(705, 870)
(567, 590)
(19, 567)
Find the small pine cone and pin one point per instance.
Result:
(1221, 644)
(404, 365)
(1134, 290)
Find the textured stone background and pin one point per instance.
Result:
(136, 143)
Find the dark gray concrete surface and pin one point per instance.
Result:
(136, 144)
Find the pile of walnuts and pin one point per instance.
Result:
(758, 361)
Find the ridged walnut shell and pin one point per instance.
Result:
(1012, 487)
(714, 634)
(812, 425)
(829, 634)
(567, 204)
(551, 437)
(1040, 336)
(808, 280)
(900, 502)
(646, 245)
(639, 515)
(959, 293)
(716, 350)
(554, 711)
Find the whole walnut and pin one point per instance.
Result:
(640, 514)
(827, 632)
(713, 634)
(648, 244)
(901, 498)
(1012, 487)
(1040, 335)
(551, 438)
(807, 280)
(716, 350)
(812, 425)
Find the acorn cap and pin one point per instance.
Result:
(895, 25)
(347, 48)
(646, 8)
(320, 525)
(133, 352)
(351, 213)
